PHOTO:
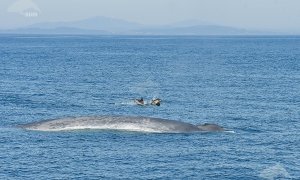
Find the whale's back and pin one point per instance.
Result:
(126, 123)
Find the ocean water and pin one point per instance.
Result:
(250, 85)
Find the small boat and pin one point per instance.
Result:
(139, 102)
(156, 102)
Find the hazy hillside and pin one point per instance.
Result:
(104, 26)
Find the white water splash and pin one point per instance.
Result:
(147, 88)
(229, 131)
(275, 172)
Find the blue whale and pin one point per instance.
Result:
(124, 123)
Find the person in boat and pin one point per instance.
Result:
(140, 101)
(156, 101)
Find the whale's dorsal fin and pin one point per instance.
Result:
(210, 127)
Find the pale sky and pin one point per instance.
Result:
(254, 14)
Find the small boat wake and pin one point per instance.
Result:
(122, 123)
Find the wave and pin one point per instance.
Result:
(133, 103)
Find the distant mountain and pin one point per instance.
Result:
(105, 26)
(96, 23)
(196, 30)
(189, 22)
(59, 30)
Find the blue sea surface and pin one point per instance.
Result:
(250, 85)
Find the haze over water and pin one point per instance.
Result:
(271, 16)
